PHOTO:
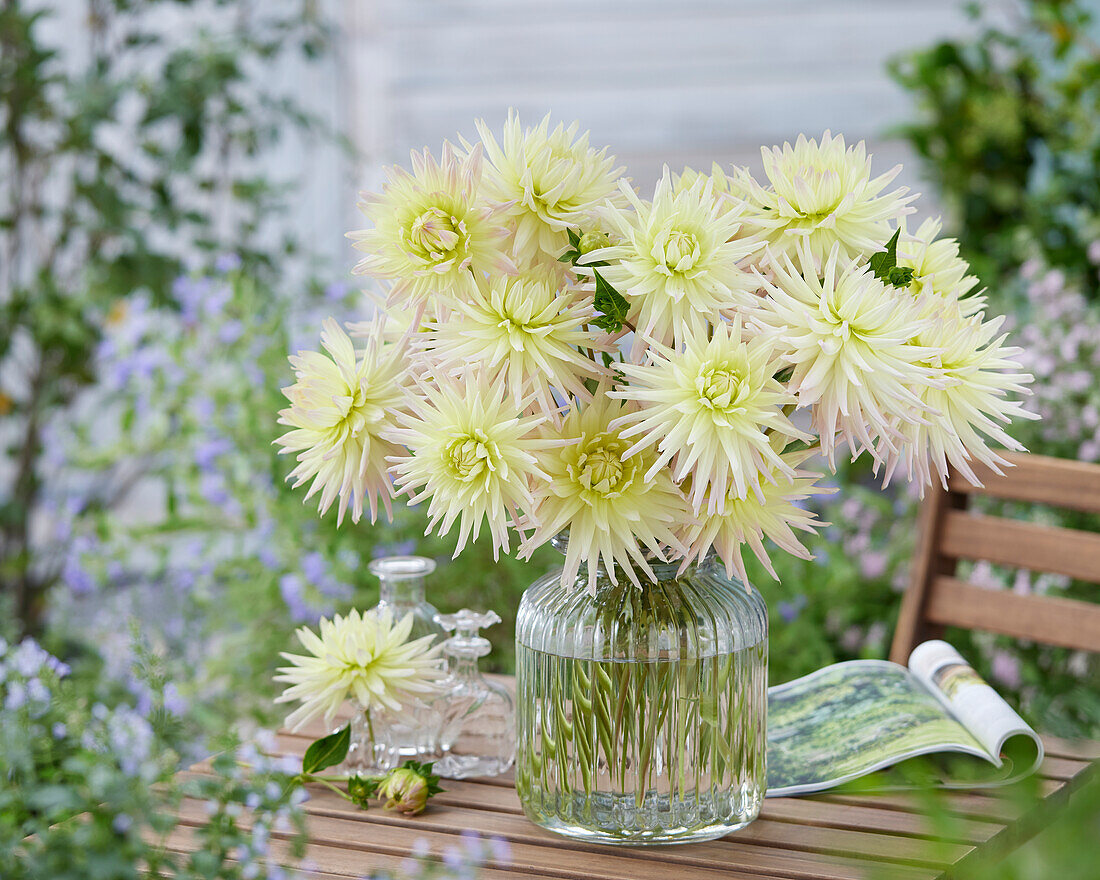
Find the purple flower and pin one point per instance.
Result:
(230, 332)
(314, 567)
(227, 263)
(337, 291)
(190, 293)
(501, 850)
(452, 857)
(173, 700)
(402, 548)
(77, 578)
(17, 696)
(268, 559)
(1006, 669)
(789, 611)
(207, 452)
(873, 564)
(290, 588)
(203, 408)
(212, 488)
(851, 639)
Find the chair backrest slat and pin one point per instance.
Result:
(1037, 479)
(949, 533)
(1067, 623)
(1010, 542)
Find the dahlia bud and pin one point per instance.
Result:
(408, 788)
(592, 241)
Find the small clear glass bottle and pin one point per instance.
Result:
(415, 735)
(478, 736)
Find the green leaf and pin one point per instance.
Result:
(885, 264)
(884, 261)
(611, 305)
(327, 751)
(362, 789)
(425, 770)
(574, 237)
(900, 276)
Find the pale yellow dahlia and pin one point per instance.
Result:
(730, 190)
(432, 228)
(849, 338)
(548, 182)
(772, 510)
(939, 273)
(527, 330)
(472, 452)
(822, 195)
(366, 657)
(713, 409)
(339, 408)
(602, 496)
(676, 260)
(972, 407)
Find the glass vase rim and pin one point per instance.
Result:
(663, 569)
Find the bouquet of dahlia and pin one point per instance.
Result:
(653, 373)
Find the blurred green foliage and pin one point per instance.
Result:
(128, 143)
(1009, 128)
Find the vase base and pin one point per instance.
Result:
(620, 821)
(637, 837)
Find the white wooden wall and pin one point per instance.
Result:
(676, 81)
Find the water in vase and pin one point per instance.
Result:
(663, 750)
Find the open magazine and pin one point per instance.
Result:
(851, 719)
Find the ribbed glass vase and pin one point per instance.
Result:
(641, 712)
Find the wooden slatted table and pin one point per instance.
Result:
(824, 837)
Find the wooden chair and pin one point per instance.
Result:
(949, 532)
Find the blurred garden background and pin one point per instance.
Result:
(177, 177)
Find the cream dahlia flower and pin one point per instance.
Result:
(972, 407)
(772, 510)
(939, 273)
(547, 182)
(432, 228)
(603, 497)
(366, 657)
(730, 190)
(472, 452)
(528, 331)
(677, 259)
(849, 338)
(823, 195)
(340, 406)
(713, 410)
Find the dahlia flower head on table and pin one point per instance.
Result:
(661, 373)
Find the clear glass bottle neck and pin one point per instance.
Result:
(402, 592)
(402, 579)
(463, 667)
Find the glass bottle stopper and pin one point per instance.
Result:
(465, 624)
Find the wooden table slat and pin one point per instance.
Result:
(327, 862)
(831, 836)
(396, 838)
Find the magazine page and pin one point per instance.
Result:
(847, 720)
(994, 723)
